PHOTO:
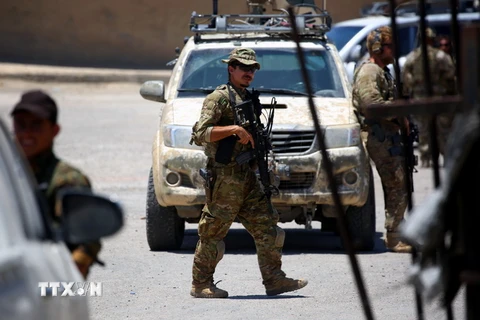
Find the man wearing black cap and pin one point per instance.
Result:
(35, 127)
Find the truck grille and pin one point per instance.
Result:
(292, 141)
(298, 180)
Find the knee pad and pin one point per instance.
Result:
(220, 250)
(280, 238)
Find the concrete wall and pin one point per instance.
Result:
(112, 33)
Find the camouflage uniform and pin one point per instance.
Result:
(236, 195)
(52, 176)
(442, 75)
(373, 84)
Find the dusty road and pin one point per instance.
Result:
(107, 130)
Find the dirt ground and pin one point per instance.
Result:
(107, 131)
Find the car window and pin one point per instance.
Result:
(442, 28)
(406, 37)
(280, 70)
(340, 35)
(16, 191)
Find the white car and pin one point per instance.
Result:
(350, 37)
(32, 249)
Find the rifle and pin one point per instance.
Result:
(248, 115)
(411, 158)
(412, 135)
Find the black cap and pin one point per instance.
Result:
(39, 103)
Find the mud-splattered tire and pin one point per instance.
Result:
(165, 229)
(361, 221)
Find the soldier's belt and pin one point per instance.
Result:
(229, 171)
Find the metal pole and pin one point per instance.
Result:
(328, 167)
(456, 42)
(408, 182)
(428, 86)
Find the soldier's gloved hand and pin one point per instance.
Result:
(244, 136)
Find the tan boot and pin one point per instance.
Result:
(393, 243)
(208, 291)
(285, 285)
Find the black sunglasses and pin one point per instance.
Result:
(245, 68)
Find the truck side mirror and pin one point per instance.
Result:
(153, 90)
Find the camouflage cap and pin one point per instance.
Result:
(244, 56)
(429, 33)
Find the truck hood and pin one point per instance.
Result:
(288, 111)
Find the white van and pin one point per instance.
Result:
(350, 36)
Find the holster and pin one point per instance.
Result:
(209, 176)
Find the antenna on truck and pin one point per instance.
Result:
(214, 13)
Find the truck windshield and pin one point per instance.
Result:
(341, 35)
(280, 72)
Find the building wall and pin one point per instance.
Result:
(112, 33)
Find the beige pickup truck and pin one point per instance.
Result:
(175, 187)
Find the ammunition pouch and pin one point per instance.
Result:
(225, 150)
(245, 157)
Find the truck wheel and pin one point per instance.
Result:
(361, 221)
(165, 229)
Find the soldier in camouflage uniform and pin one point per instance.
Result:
(236, 192)
(35, 127)
(442, 75)
(373, 83)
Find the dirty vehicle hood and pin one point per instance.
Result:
(289, 110)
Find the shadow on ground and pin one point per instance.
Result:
(239, 241)
(265, 297)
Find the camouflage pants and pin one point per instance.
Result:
(423, 140)
(238, 196)
(444, 125)
(392, 174)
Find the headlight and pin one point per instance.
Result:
(342, 136)
(178, 137)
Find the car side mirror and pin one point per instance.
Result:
(153, 90)
(356, 53)
(87, 217)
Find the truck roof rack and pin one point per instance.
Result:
(261, 23)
